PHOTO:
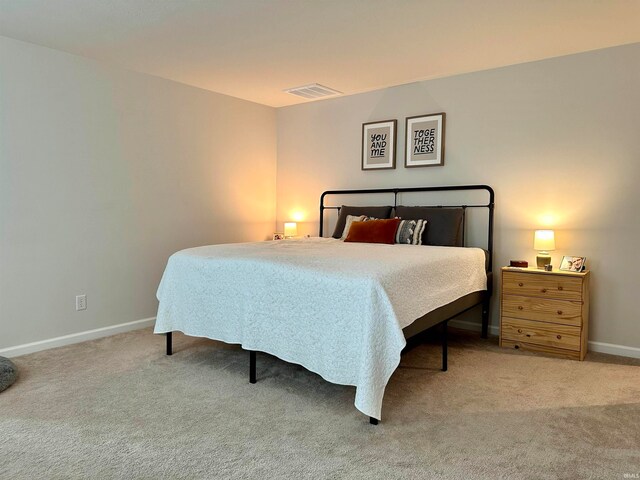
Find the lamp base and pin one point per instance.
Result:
(543, 259)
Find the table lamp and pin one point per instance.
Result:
(543, 241)
(290, 229)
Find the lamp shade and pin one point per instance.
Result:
(544, 240)
(290, 229)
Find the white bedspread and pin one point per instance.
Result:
(336, 308)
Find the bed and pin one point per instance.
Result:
(342, 310)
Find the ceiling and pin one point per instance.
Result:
(254, 49)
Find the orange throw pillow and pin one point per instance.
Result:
(373, 231)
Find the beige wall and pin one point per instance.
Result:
(557, 139)
(103, 174)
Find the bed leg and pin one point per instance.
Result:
(444, 345)
(373, 421)
(169, 343)
(485, 317)
(252, 366)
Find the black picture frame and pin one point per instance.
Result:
(379, 145)
(424, 140)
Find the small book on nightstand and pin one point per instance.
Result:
(545, 312)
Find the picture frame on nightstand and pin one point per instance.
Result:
(573, 264)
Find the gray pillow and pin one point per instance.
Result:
(377, 212)
(444, 225)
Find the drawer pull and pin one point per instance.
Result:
(529, 335)
(516, 347)
(560, 288)
(559, 312)
(544, 290)
(520, 284)
(519, 330)
(520, 307)
(559, 337)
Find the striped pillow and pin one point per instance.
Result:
(410, 232)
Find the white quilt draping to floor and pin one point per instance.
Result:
(336, 308)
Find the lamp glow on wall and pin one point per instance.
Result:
(290, 229)
(297, 215)
(544, 241)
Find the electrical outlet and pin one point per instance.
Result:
(81, 302)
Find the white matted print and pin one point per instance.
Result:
(379, 145)
(424, 145)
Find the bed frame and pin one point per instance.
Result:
(442, 315)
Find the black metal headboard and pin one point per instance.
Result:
(490, 205)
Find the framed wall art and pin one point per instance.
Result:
(379, 145)
(424, 145)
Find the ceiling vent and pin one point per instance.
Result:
(315, 90)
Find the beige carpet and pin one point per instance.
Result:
(119, 408)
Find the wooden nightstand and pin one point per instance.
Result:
(545, 312)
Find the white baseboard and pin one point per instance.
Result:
(76, 338)
(600, 347)
(614, 349)
(27, 348)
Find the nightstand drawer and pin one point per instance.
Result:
(543, 309)
(547, 286)
(530, 347)
(541, 333)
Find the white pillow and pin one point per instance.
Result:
(348, 222)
